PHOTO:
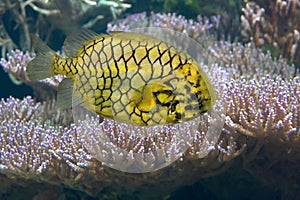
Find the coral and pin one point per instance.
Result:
(6, 42)
(44, 16)
(221, 26)
(192, 8)
(14, 65)
(261, 133)
(274, 23)
(257, 114)
(178, 23)
(250, 62)
(33, 150)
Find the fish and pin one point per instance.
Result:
(125, 76)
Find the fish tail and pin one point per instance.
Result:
(41, 66)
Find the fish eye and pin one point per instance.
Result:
(127, 139)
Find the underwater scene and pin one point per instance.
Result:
(149, 99)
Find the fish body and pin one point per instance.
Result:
(128, 77)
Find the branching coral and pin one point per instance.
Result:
(262, 121)
(221, 26)
(14, 65)
(257, 114)
(178, 23)
(274, 23)
(193, 7)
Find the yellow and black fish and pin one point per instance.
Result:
(128, 77)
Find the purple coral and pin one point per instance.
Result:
(249, 62)
(265, 107)
(15, 64)
(172, 21)
(38, 151)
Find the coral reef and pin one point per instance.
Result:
(275, 24)
(39, 143)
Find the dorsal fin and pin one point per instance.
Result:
(131, 35)
(76, 40)
(115, 32)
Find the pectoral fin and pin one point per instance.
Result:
(65, 94)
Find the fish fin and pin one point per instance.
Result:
(41, 66)
(65, 93)
(65, 97)
(140, 105)
(115, 32)
(132, 36)
(76, 40)
(153, 94)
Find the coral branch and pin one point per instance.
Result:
(275, 23)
